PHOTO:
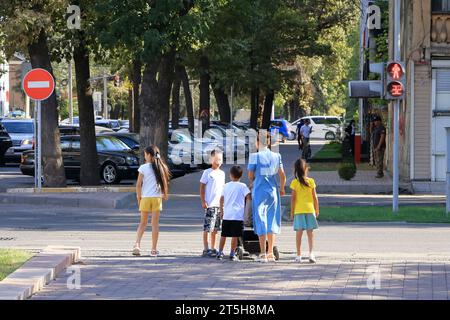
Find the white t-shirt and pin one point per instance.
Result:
(306, 130)
(214, 181)
(234, 194)
(150, 188)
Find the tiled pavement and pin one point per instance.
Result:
(179, 277)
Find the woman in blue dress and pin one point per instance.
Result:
(263, 169)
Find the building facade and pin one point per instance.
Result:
(424, 114)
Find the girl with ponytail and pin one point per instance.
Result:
(304, 208)
(151, 188)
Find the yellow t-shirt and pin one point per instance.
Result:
(304, 201)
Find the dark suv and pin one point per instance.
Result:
(5, 143)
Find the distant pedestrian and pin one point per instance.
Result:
(211, 188)
(151, 188)
(305, 133)
(264, 168)
(350, 134)
(232, 203)
(304, 208)
(299, 135)
(379, 146)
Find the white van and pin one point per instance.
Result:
(324, 127)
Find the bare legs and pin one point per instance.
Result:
(310, 234)
(141, 228)
(213, 240)
(143, 225)
(234, 243)
(262, 245)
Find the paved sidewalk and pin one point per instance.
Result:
(181, 277)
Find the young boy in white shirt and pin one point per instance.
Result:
(232, 204)
(211, 187)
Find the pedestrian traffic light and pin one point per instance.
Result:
(396, 81)
(116, 80)
(369, 88)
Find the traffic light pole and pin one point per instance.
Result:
(395, 187)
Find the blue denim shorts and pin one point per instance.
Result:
(305, 222)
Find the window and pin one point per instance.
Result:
(332, 121)
(319, 120)
(76, 145)
(65, 145)
(19, 126)
(440, 6)
(110, 144)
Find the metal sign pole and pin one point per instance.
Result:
(447, 206)
(35, 146)
(397, 17)
(39, 162)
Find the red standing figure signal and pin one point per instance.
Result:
(396, 77)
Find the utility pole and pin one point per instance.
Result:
(105, 97)
(70, 93)
(397, 36)
(231, 106)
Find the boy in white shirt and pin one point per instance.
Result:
(211, 187)
(232, 204)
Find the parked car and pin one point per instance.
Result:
(21, 133)
(5, 144)
(182, 146)
(284, 129)
(124, 125)
(116, 160)
(324, 127)
(110, 124)
(132, 141)
(70, 130)
(76, 120)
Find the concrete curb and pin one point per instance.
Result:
(74, 190)
(124, 201)
(37, 272)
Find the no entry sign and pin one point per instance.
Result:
(38, 84)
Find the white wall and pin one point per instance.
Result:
(4, 88)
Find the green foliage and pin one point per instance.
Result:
(347, 170)
(410, 214)
(10, 260)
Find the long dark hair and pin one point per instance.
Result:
(301, 172)
(267, 142)
(160, 168)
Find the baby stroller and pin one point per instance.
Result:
(249, 242)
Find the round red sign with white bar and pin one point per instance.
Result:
(38, 84)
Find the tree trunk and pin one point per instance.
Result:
(223, 104)
(181, 70)
(254, 108)
(155, 103)
(176, 101)
(205, 104)
(130, 107)
(89, 174)
(267, 113)
(52, 162)
(286, 112)
(135, 114)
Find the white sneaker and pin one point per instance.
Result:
(136, 251)
(262, 259)
(298, 259)
(312, 258)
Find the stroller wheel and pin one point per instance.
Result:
(240, 253)
(276, 253)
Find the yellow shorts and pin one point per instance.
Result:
(150, 205)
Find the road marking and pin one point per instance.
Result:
(38, 84)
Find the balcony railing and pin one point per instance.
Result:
(440, 28)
